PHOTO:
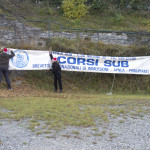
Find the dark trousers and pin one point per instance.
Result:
(57, 77)
(5, 71)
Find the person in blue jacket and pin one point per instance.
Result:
(56, 69)
(4, 66)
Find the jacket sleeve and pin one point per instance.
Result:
(59, 66)
(51, 56)
(12, 54)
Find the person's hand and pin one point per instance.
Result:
(50, 50)
(1, 49)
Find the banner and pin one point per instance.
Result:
(40, 60)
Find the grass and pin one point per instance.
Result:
(55, 112)
(116, 20)
(109, 19)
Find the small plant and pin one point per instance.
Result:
(95, 129)
(121, 121)
(112, 135)
(76, 132)
(97, 134)
(47, 132)
(39, 132)
(118, 18)
(25, 143)
(103, 131)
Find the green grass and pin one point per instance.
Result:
(116, 20)
(59, 111)
(109, 19)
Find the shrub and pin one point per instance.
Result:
(74, 8)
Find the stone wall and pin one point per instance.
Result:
(37, 37)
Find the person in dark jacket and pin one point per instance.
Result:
(57, 72)
(4, 65)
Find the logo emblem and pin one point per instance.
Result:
(21, 59)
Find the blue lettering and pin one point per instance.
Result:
(124, 64)
(107, 63)
(71, 62)
(60, 59)
(116, 65)
(90, 62)
(110, 63)
(81, 61)
(78, 61)
(96, 62)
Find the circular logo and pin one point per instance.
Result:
(21, 59)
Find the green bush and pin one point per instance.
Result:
(74, 8)
(118, 18)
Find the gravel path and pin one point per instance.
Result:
(129, 134)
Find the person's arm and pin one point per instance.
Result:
(12, 54)
(59, 65)
(50, 53)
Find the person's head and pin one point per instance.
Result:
(54, 60)
(5, 50)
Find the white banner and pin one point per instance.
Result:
(40, 60)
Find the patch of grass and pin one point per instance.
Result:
(94, 129)
(97, 134)
(76, 132)
(24, 143)
(112, 135)
(103, 131)
(66, 135)
(121, 121)
(56, 112)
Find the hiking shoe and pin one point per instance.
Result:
(60, 91)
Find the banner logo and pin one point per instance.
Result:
(21, 59)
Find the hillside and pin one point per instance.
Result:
(107, 19)
(111, 19)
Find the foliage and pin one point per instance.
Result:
(99, 5)
(51, 2)
(131, 4)
(118, 18)
(74, 8)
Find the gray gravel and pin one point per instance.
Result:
(128, 134)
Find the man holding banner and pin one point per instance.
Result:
(57, 72)
(4, 65)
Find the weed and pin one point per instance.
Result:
(112, 135)
(76, 132)
(103, 131)
(97, 134)
(25, 143)
(121, 121)
(95, 129)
